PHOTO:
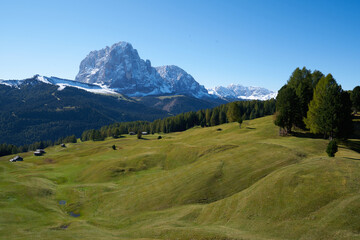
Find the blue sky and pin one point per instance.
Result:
(253, 43)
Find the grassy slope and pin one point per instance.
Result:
(200, 184)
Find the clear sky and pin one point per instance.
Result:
(253, 43)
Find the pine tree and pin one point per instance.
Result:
(222, 117)
(355, 98)
(214, 120)
(240, 121)
(332, 148)
(301, 81)
(233, 113)
(116, 133)
(208, 117)
(328, 111)
(287, 108)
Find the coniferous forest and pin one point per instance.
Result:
(315, 102)
(230, 112)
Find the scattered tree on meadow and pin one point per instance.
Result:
(139, 135)
(240, 121)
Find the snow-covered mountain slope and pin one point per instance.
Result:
(181, 82)
(236, 91)
(62, 83)
(119, 67)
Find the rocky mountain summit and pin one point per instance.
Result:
(120, 67)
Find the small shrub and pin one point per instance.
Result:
(332, 148)
(113, 147)
(219, 129)
(159, 137)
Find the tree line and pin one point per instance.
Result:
(231, 112)
(313, 101)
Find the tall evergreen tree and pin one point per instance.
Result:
(233, 112)
(301, 81)
(215, 117)
(355, 98)
(316, 76)
(208, 117)
(327, 110)
(287, 108)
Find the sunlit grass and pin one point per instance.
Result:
(246, 183)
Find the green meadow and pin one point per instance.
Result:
(221, 182)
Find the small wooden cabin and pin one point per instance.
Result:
(16, 159)
(39, 152)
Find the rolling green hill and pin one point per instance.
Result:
(203, 183)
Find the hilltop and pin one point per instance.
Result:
(204, 183)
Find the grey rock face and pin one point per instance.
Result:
(119, 67)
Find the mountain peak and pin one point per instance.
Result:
(237, 91)
(119, 67)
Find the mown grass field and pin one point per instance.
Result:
(246, 183)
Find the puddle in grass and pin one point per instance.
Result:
(74, 214)
(63, 202)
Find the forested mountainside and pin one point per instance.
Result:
(38, 111)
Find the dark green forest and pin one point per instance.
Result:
(231, 112)
(235, 111)
(315, 102)
(37, 111)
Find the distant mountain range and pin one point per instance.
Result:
(239, 92)
(33, 110)
(119, 69)
(113, 84)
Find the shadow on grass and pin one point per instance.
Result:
(143, 138)
(357, 159)
(351, 144)
(121, 136)
(307, 135)
(250, 128)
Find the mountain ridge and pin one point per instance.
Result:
(119, 69)
(240, 92)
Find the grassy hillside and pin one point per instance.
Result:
(235, 183)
